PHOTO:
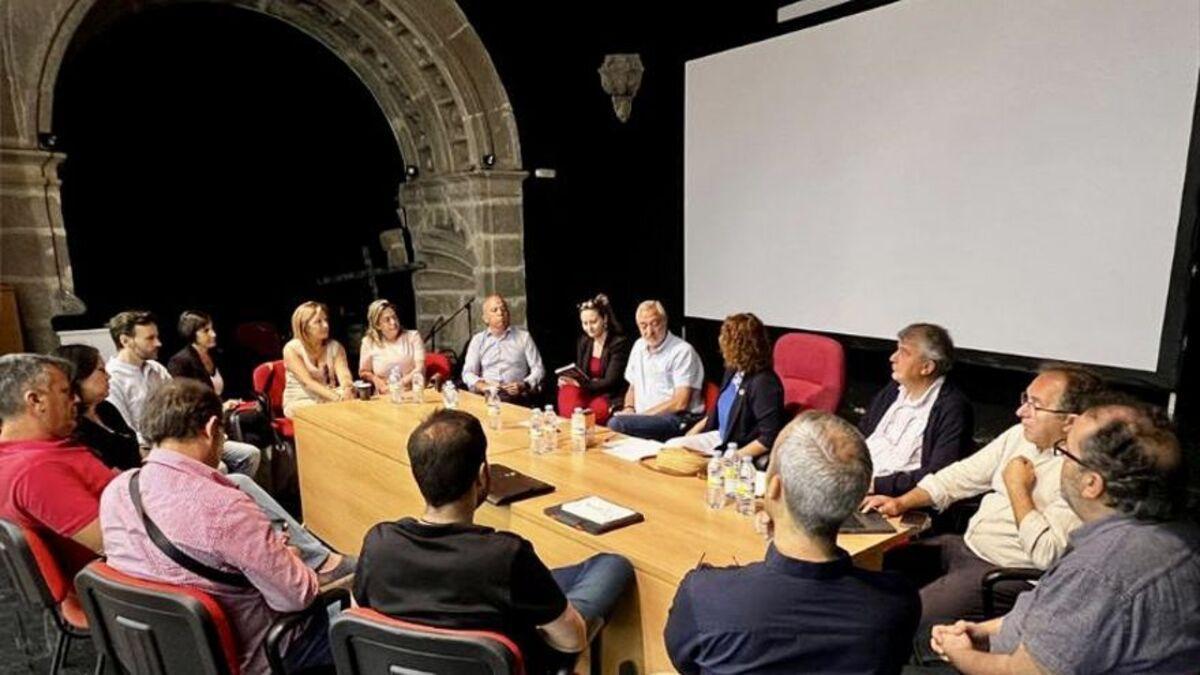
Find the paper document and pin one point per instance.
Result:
(632, 449)
(597, 510)
(706, 442)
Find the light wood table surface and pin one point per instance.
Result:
(354, 473)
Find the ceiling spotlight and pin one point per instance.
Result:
(489, 160)
(411, 171)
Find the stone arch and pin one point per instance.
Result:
(426, 68)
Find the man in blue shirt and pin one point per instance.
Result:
(1126, 596)
(806, 608)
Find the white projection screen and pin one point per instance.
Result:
(1010, 169)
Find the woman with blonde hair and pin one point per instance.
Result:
(386, 346)
(317, 370)
(749, 411)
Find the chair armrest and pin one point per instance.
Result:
(285, 624)
(1002, 574)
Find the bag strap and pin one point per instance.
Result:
(182, 559)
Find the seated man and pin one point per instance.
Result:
(1022, 521)
(665, 377)
(806, 608)
(503, 356)
(920, 422)
(1126, 598)
(51, 484)
(209, 519)
(443, 570)
(134, 376)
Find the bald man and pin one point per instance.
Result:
(502, 356)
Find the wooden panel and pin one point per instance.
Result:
(10, 322)
(354, 473)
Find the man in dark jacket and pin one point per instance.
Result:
(920, 422)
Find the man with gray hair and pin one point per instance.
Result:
(920, 422)
(665, 377)
(806, 608)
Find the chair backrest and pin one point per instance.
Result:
(35, 573)
(365, 641)
(813, 371)
(269, 380)
(712, 392)
(151, 628)
(436, 363)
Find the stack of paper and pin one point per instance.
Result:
(632, 449)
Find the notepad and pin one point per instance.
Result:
(594, 515)
(631, 449)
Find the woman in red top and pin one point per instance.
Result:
(601, 353)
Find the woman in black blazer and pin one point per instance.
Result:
(601, 353)
(749, 410)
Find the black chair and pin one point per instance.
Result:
(149, 628)
(1003, 575)
(40, 583)
(367, 642)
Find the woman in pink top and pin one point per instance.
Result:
(386, 346)
(317, 370)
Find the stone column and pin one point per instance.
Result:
(468, 230)
(33, 243)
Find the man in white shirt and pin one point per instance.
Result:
(134, 375)
(503, 356)
(1023, 522)
(665, 378)
(920, 422)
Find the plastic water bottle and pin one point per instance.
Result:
(578, 431)
(549, 429)
(535, 431)
(450, 396)
(745, 487)
(715, 494)
(394, 390)
(493, 408)
(730, 471)
(418, 386)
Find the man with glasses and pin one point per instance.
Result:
(1126, 597)
(1023, 521)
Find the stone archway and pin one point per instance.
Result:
(423, 63)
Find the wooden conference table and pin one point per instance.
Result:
(354, 473)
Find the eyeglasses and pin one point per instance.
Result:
(1060, 450)
(1026, 401)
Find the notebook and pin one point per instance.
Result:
(509, 485)
(594, 515)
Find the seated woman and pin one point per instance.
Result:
(99, 425)
(386, 346)
(317, 370)
(601, 353)
(197, 361)
(749, 411)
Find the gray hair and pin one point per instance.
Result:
(21, 373)
(935, 342)
(825, 468)
(651, 306)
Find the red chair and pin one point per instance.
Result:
(41, 583)
(269, 379)
(365, 641)
(813, 370)
(437, 365)
(152, 628)
(711, 393)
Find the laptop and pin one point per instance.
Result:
(871, 522)
(509, 485)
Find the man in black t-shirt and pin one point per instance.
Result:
(443, 570)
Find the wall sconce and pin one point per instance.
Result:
(620, 76)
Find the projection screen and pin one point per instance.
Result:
(1010, 170)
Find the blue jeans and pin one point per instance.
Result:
(241, 457)
(310, 647)
(312, 551)
(655, 427)
(594, 585)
